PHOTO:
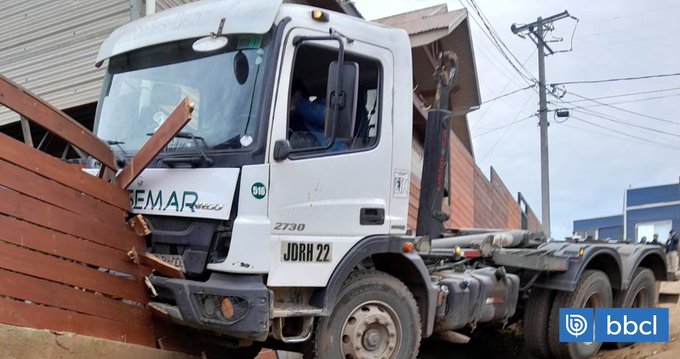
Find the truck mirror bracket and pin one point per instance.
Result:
(282, 150)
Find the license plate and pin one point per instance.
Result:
(172, 259)
(306, 252)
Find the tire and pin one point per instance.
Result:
(374, 316)
(641, 293)
(535, 324)
(592, 291)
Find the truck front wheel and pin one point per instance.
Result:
(375, 316)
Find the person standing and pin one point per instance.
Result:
(672, 252)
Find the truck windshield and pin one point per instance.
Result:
(143, 87)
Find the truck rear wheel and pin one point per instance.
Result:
(535, 323)
(641, 293)
(375, 316)
(592, 291)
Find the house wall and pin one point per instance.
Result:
(600, 228)
(648, 205)
(656, 214)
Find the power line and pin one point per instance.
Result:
(615, 79)
(621, 132)
(499, 44)
(504, 126)
(612, 119)
(509, 93)
(626, 110)
(605, 134)
(486, 111)
(507, 128)
(628, 94)
(632, 101)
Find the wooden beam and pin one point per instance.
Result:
(40, 112)
(175, 122)
(26, 129)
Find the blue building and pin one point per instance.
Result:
(648, 211)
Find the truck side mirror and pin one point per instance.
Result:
(341, 100)
(282, 149)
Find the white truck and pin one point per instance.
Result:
(299, 238)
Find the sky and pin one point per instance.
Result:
(598, 151)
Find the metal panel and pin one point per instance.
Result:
(50, 47)
(656, 194)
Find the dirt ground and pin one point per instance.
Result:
(670, 350)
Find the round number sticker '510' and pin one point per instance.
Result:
(258, 190)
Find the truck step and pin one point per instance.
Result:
(295, 310)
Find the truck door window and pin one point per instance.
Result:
(307, 101)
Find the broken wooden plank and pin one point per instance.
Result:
(60, 124)
(39, 265)
(139, 225)
(161, 267)
(45, 165)
(174, 123)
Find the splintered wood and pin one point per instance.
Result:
(65, 239)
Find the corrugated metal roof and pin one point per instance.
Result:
(50, 46)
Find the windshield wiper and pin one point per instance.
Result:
(201, 160)
(120, 161)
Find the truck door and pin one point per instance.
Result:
(321, 202)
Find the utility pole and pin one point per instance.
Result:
(536, 30)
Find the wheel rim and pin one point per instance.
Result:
(372, 331)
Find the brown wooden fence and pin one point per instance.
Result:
(476, 202)
(69, 261)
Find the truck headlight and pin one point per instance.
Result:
(220, 309)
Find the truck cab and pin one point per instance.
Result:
(246, 199)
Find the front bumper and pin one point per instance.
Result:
(198, 304)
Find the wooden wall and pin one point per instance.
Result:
(476, 202)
